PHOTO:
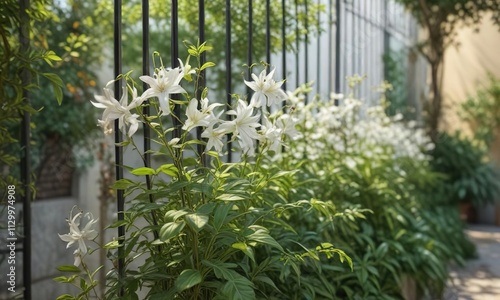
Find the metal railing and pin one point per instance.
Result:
(352, 40)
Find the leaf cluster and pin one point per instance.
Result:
(471, 175)
(19, 75)
(392, 220)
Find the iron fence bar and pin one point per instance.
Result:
(24, 37)
(330, 40)
(318, 53)
(250, 45)
(353, 41)
(283, 41)
(228, 71)
(146, 109)
(117, 44)
(145, 70)
(201, 36)
(297, 80)
(268, 34)
(174, 55)
(201, 79)
(306, 48)
(337, 48)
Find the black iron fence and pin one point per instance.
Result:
(349, 36)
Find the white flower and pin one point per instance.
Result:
(266, 89)
(118, 110)
(76, 235)
(163, 83)
(271, 135)
(243, 126)
(196, 118)
(186, 69)
(214, 139)
(287, 125)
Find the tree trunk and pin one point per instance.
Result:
(435, 107)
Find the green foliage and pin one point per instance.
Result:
(198, 228)
(72, 33)
(471, 175)
(390, 218)
(395, 73)
(17, 62)
(215, 31)
(482, 112)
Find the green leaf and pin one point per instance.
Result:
(65, 297)
(196, 221)
(122, 184)
(265, 279)
(221, 270)
(69, 268)
(220, 214)
(64, 279)
(171, 230)
(168, 169)
(230, 197)
(188, 278)
(143, 171)
(173, 215)
(112, 245)
(245, 248)
(238, 288)
(57, 83)
(261, 236)
(207, 65)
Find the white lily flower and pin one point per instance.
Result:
(196, 117)
(243, 126)
(271, 135)
(76, 235)
(266, 89)
(118, 110)
(214, 139)
(287, 125)
(163, 83)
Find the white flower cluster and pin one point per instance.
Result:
(357, 134)
(244, 124)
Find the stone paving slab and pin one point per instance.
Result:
(480, 279)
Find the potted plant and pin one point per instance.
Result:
(472, 177)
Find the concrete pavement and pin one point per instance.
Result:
(480, 279)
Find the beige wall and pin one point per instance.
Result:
(466, 70)
(467, 67)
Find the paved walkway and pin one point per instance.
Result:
(480, 279)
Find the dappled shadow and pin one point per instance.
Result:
(480, 278)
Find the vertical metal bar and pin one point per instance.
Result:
(201, 80)
(228, 70)
(174, 34)
(283, 40)
(318, 53)
(268, 33)
(330, 50)
(146, 71)
(24, 36)
(250, 44)
(120, 201)
(306, 48)
(297, 79)
(338, 28)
